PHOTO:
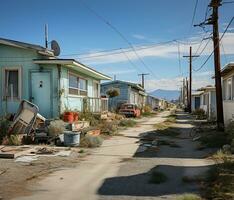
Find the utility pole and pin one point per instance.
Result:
(183, 91)
(187, 92)
(190, 78)
(219, 100)
(46, 36)
(213, 20)
(143, 79)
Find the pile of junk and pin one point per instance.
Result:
(28, 123)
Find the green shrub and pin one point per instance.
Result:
(219, 181)
(94, 119)
(4, 126)
(230, 131)
(147, 109)
(127, 123)
(157, 177)
(56, 127)
(200, 113)
(214, 139)
(108, 127)
(12, 140)
(90, 141)
(113, 93)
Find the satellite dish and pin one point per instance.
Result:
(55, 47)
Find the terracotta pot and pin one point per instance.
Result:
(68, 117)
(68, 113)
(75, 116)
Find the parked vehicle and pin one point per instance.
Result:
(129, 110)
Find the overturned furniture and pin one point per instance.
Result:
(24, 119)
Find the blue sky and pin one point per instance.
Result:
(143, 23)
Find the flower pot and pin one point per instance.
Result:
(68, 117)
(75, 116)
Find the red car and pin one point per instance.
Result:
(129, 110)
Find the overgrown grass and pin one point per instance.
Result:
(94, 119)
(89, 141)
(127, 123)
(157, 177)
(146, 114)
(108, 127)
(171, 118)
(189, 197)
(214, 139)
(219, 181)
(170, 132)
(4, 126)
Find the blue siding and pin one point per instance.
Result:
(16, 57)
(124, 96)
(73, 102)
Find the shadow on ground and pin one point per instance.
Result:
(138, 185)
(174, 161)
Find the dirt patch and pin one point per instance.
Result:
(16, 176)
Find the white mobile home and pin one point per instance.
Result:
(228, 92)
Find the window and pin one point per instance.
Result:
(11, 83)
(77, 85)
(229, 89)
(95, 90)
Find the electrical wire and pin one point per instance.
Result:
(120, 34)
(130, 61)
(227, 2)
(215, 46)
(224, 52)
(194, 14)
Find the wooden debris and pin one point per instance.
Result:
(95, 132)
(14, 152)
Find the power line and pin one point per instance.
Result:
(120, 34)
(194, 14)
(130, 61)
(215, 46)
(204, 47)
(224, 52)
(226, 2)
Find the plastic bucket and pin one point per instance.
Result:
(71, 138)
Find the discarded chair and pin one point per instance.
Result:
(25, 118)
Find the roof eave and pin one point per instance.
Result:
(72, 62)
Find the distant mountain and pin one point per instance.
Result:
(166, 94)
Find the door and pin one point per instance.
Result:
(197, 102)
(41, 92)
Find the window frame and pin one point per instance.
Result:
(13, 68)
(79, 90)
(229, 89)
(96, 83)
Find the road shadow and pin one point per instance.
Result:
(138, 185)
(172, 160)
